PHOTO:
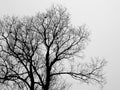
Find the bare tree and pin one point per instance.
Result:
(33, 51)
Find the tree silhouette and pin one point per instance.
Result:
(35, 51)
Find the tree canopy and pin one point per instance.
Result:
(33, 50)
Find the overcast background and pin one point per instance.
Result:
(101, 16)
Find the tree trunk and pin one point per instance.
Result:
(48, 69)
(47, 80)
(32, 86)
(31, 77)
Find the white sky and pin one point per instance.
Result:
(103, 19)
